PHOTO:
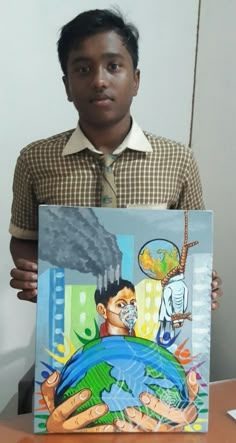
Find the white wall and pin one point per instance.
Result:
(215, 148)
(33, 105)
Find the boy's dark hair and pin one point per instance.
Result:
(92, 22)
(111, 291)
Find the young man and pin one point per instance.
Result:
(98, 53)
(117, 305)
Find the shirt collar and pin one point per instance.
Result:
(135, 140)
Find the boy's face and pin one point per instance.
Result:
(115, 304)
(100, 80)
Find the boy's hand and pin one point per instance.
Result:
(25, 278)
(216, 290)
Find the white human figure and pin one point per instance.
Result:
(174, 301)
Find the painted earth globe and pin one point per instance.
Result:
(118, 369)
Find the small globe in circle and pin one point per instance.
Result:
(158, 257)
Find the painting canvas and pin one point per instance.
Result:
(123, 320)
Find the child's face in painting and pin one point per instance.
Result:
(115, 304)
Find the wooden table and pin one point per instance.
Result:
(222, 428)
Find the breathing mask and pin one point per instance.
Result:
(128, 315)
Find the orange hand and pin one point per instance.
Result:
(59, 419)
(142, 422)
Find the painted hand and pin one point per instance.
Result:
(216, 290)
(25, 278)
(59, 421)
(143, 423)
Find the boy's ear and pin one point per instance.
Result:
(66, 84)
(136, 82)
(102, 310)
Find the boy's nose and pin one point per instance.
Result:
(100, 79)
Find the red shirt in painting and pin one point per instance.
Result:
(104, 332)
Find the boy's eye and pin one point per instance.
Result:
(113, 66)
(83, 69)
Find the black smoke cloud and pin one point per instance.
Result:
(73, 238)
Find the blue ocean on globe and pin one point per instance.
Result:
(118, 369)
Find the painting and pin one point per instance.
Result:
(123, 320)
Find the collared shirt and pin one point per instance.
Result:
(135, 140)
(65, 169)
